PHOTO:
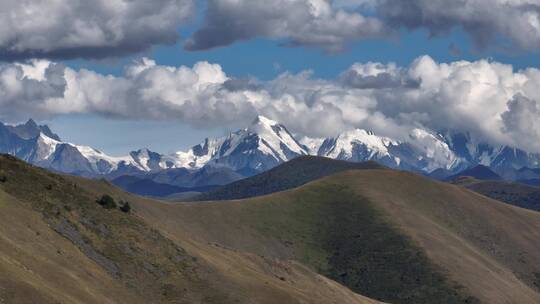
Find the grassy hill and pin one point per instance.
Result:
(292, 174)
(58, 245)
(517, 194)
(387, 235)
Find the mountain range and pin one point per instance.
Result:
(262, 146)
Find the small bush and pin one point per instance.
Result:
(3, 178)
(107, 202)
(125, 207)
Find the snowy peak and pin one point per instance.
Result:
(264, 144)
(345, 144)
(423, 150)
(264, 121)
(198, 156)
(275, 139)
(45, 147)
(261, 146)
(360, 145)
(148, 160)
(50, 152)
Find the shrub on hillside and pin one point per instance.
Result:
(3, 178)
(125, 207)
(107, 202)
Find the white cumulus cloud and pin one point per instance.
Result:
(489, 100)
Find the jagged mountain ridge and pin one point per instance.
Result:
(257, 148)
(260, 147)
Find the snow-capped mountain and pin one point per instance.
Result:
(360, 145)
(38, 145)
(503, 160)
(260, 147)
(424, 151)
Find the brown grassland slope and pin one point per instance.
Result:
(57, 245)
(387, 235)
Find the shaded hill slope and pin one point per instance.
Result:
(57, 245)
(478, 172)
(393, 236)
(517, 194)
(292, 174)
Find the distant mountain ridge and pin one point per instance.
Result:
(292, 174)
(40, 146)
(148, 187)
(263, 145)
(479, 172)
(517, 194)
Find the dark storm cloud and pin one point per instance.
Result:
(512, 24)
(313, 23)
(87, 29)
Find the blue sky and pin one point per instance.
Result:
(266, 58)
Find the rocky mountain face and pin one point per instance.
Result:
(39, 146)
(262, 146)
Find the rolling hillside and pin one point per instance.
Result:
(57, 245)
(289, 175)
(388, 235)
(393, 236)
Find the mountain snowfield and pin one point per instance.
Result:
(262, 146)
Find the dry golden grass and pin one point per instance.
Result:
(269, 249)
(37, 265)
(490, 248)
